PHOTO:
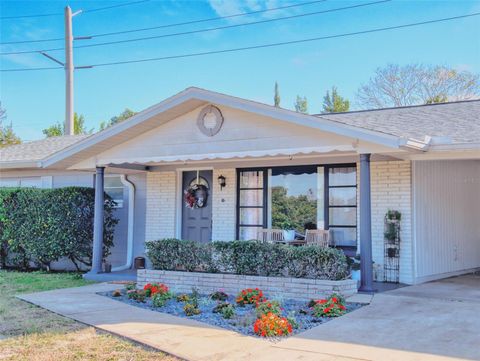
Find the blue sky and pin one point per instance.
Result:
(35, 99)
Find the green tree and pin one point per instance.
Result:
(276, 97)
(58, 129)
(292, 212)
(7, 135)
(334, 103)
(127, 113)
(301, 104)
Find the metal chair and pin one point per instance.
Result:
(270, 235)
(319, 237)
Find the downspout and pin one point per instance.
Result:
(131, 208)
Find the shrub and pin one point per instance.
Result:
(151, 289)
(226, 309)
(271, 325)
(183, 298)
(130, 286)
(43, 225)
(333, 306)
(191, 310)
(116, 293)
(173, 254)
(249, 296)
(218, 296)
(249, 258)
(266, 307)
(137, 295)
(159, 299)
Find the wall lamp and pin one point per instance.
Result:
(221, 181)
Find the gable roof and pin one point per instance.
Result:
(35, 151)
(190, 99)
(459, 121)
(450, 123)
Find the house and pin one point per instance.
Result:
(341, 171)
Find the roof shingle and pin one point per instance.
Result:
(38, 149)
(458, 120)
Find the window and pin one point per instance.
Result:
(293, 198)
(342, 205)
(299, 198)
(114, 188)
(251, 203)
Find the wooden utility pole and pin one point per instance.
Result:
(69, 113)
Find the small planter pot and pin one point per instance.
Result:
(356, 275)
(288, 234)
(392, 252)
(108, 267)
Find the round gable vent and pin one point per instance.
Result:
(210, 120)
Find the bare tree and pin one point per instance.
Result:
(396, 85)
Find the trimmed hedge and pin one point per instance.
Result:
(40, 226)
(248, 258)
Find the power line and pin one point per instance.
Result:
(175, 24)
(201, 30)
(263, 45)
(58, 14)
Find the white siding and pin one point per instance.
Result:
(447, 223)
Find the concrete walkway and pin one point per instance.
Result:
(426, 322)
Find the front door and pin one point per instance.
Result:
(197, 222)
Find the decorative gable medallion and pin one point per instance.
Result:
(210, 120)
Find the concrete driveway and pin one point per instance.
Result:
(429, 321)
(434, 321)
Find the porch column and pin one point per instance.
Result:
(366, 281)
(98, 222)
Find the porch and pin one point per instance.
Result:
(243, 197)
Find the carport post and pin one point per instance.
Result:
(98, 220)
(366, 280)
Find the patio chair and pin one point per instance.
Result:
(319, 237)
(270, 235)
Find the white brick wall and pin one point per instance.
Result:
(275, 287)
(392, 189)
(224, 206)
(161, 205)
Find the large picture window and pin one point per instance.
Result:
(298, 198)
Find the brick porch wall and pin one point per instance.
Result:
(392, 189)
(224, 206)
(161, 203)
(275, 287)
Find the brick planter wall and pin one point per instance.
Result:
(291, 288)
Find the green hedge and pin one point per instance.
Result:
(248, 258)
(39, 226)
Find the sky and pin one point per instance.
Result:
(36, 99)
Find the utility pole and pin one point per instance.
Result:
(69, 123)
(69, 68)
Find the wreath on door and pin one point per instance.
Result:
(196, 195)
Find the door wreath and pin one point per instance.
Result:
(196, 195)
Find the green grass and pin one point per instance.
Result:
(28, 332)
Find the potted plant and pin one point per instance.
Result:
(355, 267)
(288, 230)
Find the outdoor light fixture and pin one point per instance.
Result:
(221, 181)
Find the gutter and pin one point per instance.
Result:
(130, 217)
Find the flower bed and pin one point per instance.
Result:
(249, 312)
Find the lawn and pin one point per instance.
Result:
(28, 332)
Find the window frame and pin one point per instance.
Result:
(118, 203)
(326, 201)
(264, 205)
